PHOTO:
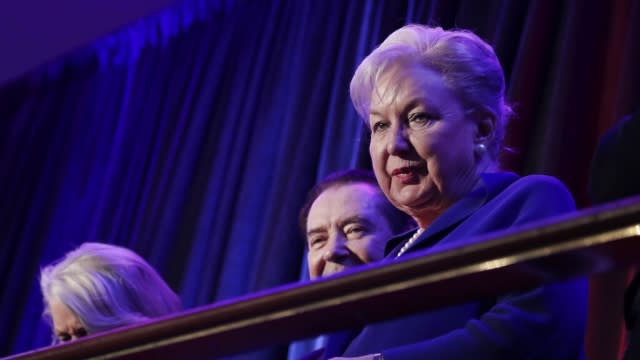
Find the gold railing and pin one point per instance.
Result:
(589, 241)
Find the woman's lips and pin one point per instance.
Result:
(406, 174)
(404, 170)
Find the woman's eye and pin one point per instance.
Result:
(63, 338)
(421, 118)
(379, 126)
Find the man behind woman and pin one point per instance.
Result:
(346, 222)
(615, 174)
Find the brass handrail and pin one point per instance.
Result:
(585, 242)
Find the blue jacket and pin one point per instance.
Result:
(544, 323)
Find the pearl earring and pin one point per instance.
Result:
(480, 149)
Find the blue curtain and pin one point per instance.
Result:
(193, 136)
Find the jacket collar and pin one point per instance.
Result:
(489, 186)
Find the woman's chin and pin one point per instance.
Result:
(410, 204)
(416, 202)
(411, 196)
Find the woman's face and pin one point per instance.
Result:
(66, 324)
(422, 143)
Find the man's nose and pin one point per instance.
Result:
(336, 248)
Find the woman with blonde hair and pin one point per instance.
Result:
(434, 103)
(99, 287)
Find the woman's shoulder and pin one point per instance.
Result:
(540, 183)
(507, 186)
(531, 198)
(508, 181)
(543, 180)
(540, 190)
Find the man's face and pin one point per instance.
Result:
(346, 227)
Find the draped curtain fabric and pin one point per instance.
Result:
(196, 147)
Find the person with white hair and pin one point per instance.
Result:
(99, 287)
(434, 103)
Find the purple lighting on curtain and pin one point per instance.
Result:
(126, 45)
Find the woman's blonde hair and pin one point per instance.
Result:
(106, 286)
(468, 65)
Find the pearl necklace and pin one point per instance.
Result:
(410, 242)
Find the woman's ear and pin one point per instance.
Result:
(485, 121)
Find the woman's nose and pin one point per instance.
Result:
(397, 141)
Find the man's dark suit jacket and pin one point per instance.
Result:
(615, 174)
(543, 323)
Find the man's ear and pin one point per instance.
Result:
(485, 121)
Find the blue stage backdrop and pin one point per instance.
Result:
(193, 135)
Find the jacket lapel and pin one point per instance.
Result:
(490, 185)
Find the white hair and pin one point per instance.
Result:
(468, 65)
(106, 286)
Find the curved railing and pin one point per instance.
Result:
(589, 241)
